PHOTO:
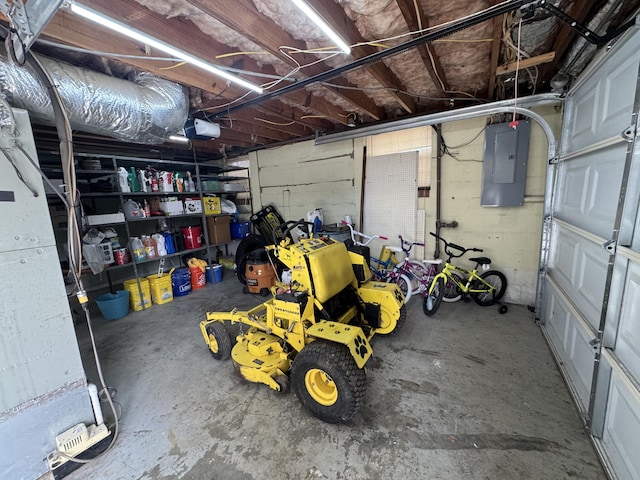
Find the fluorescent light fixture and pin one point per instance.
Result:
(179, 139)
(127, 31)
(324, 26)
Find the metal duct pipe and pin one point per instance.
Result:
(503, 106)
(146, 109)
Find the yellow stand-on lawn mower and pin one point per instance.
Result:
(315, 330)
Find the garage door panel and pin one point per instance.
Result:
(585, 188)
(602, 100)
(630, 219)
(616, 105)
(622, 428)
(571, 340)
(580, 268)
(618, 280)
(557, 322)
(627, 347)
(594, 199)
(583, 119)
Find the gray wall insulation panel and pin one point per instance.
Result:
(38, 347)
(42, 380)
(504, 169)
(27, 435)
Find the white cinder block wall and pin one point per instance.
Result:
(303, 176)
(510, 236)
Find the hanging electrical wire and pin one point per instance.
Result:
(515, 98)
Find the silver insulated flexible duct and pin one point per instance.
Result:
(146, 109)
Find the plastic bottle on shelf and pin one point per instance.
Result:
(169, 244)
(134, 183)
(154, 180)
(137, 249)
(123, 180)
(159, 239)
(150, 248)
(147, 210)
(145, 182)
(190, 186)
(179, 181)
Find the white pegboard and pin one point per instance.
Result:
(391, 199)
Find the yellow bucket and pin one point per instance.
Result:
(134, 293)
(161, 290)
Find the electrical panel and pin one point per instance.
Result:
(504, 168)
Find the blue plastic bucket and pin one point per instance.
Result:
(181, 282)
(209, 275)
(114, 305)
(217, 273)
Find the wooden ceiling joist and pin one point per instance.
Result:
(415, 21)
(268, 35)
(347, 30)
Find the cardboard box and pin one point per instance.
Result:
(172, 207)
(219, 228)
(212, 206)
(192, 205)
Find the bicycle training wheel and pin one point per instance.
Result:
(452, 292)
(433, 300)
(497, 280)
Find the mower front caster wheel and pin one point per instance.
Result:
(219, 341)
(328, 382)
(283, 382)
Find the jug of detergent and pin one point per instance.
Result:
(159, 239)
(169, 245)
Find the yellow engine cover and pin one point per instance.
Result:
(389, 297)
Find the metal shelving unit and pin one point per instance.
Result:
(202, 172)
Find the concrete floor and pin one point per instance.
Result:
(466, 394)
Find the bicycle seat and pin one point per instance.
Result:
(481, 260)
(434, 261)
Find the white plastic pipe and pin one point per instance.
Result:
(95, 403)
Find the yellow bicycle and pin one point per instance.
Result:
(486, 288)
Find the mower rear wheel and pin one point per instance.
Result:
(219, 341)
(328, 382)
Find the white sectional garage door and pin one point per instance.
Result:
(589, 307)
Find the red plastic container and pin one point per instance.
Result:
(198, 278)
(193, 237)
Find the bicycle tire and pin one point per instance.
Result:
(432, 302)
(404, 283)
(495, 279)
(452, 292)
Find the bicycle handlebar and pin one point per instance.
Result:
(448, 246)
(369, 238)
(403, 242)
